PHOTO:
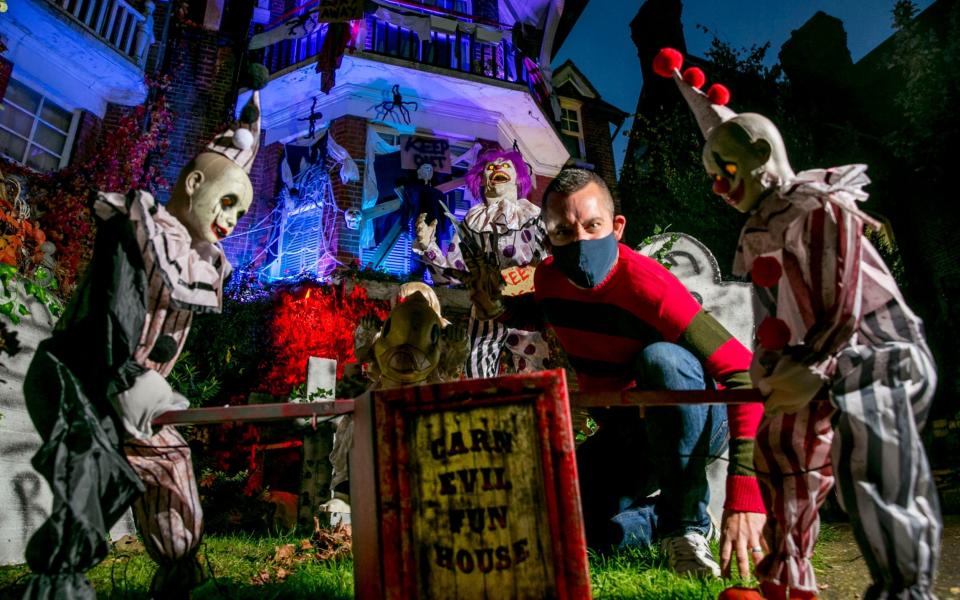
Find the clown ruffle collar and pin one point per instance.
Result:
(503, 216)
(193, 274)
(765, 232)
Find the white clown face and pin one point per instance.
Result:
(500, 180)
(219, 197)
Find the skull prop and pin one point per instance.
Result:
(352, 218)
(425, 173)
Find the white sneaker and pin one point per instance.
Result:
(689, 554)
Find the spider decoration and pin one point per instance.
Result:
(387, 107)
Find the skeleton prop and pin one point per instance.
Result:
(503, 230)
(101, 377)
(834, 336)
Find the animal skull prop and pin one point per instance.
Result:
(352, 218)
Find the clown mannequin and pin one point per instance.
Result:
(94, 388)
(504, 230)
(841, 359)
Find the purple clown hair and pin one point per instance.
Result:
(474, 176)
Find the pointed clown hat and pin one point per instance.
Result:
(241, 142)
(709, 108)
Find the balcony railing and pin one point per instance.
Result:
(116, 23)
(457, 52)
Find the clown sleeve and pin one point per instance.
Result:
(834, 239)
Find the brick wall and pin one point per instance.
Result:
(598, 144)
(85, 140)
(351, 133)
(200, 95)
(247, 246)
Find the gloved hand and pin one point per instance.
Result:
(790, 387)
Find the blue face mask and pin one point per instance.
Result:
(586, 262)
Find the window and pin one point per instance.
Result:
(33, 130)
(571, 130)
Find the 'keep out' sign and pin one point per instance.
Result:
(418, 150)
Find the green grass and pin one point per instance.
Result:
(236, 560)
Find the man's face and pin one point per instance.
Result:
(500, 179)
(583, 215)
(732, 161)
(217, 201)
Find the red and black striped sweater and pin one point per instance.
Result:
(603, 330)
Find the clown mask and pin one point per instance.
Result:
(219, 194)
(746, 160)
(499, 180)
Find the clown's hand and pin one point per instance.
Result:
(426, 233)
(790, 387)
(485, 292)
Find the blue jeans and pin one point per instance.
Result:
(628, 458)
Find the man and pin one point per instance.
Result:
(622, 318)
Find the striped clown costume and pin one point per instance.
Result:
(828, 302)
(840, 358)
(506, 230)
(94, 388)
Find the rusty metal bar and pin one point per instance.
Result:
(665, 398)
(292, 410)
(254, 412)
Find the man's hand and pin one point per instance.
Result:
(425, 232)
(741, 532)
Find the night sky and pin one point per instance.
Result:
(603, 33)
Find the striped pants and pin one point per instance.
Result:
(882, 393)
(489, 338)
(168, 515)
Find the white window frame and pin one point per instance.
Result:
(432, 4)
(70, 133)
(572, 106)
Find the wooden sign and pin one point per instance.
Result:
(518, 280)
(339, 11)
(417, 150)
(467, 490)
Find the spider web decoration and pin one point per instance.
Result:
(308, 231)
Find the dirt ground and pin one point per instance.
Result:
(845, 575)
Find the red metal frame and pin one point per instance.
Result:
(384, 553)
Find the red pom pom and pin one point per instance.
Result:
(766, 271)
(773, 334)
(694, 77)
(667, 61)
(719, 94)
